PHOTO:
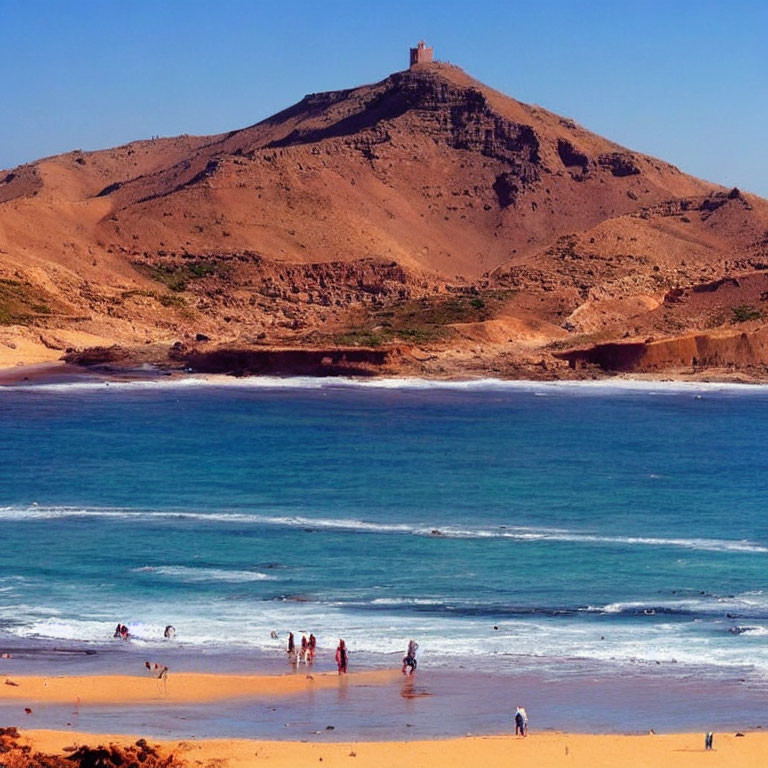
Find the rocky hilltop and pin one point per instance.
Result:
(425, 224)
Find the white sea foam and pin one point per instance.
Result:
(512, 533)
(214, 624)
(197, 575)
(391, 601)
(600, 386)
(755, 631)
(755, 602)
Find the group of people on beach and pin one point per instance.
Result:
(304, 655)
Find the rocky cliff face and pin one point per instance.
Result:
(374, 214)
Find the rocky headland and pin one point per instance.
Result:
(425, 225)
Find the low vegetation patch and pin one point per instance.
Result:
(164, 299)
(420, 321)
(744, 313)
(176, 277)
(21, 302)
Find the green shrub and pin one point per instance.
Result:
(744, 313)
(176, 277)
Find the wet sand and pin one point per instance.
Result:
(551, 750)
(374, 706)
(42, 373)
(181, 688)
(67, 373)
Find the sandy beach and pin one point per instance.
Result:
(638, 659)
(551, 749)
(59, 372)
(548, 749)
(180, 688)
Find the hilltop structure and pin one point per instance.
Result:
(422, 54)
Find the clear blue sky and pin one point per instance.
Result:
(686, 80)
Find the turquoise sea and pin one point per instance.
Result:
(512, 528)
(522, 524)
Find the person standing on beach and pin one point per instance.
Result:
(311, 646)
(525, 721)
(304, 649)
(291, 650)
(410, 657)
(341, 657)
(519, 722)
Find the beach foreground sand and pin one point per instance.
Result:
(549, 750)
(186, 688)
(539, 749)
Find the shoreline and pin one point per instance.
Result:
(548, 749)
(61, 376)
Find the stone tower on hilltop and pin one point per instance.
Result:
(421, 54)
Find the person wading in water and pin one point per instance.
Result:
(409, 662)
(341, 657)
(291, 650)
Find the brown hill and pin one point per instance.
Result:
(426, 210)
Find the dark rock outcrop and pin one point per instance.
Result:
(138, 755)
(349, 361)
(619, 164)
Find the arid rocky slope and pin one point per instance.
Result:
(425, 224)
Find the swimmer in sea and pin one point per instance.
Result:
(121, 631)
(170, 632)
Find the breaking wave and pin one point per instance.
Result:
(311, 524)
(601, 387)
(197, 575)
